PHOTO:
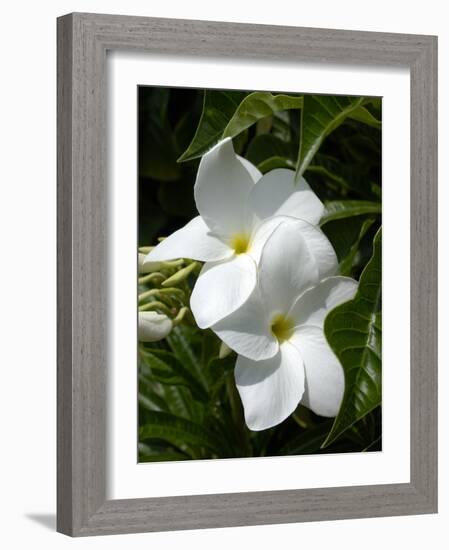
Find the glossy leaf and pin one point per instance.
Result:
(338, 210)
(275, 162)
(218, 109)
(151, 401)
(257, 106)
(228, 114)
(320, 116)
(354, 332)
(363, 115)
(345, 267)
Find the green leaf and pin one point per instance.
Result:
(354, 332)
(307, 441)
(266, 146)
(346, 175)
(320, 116)
(151, 401)
(218, 109)
(337, 210)
(153, 453)
(179, 340)
(227, 114)
(275, 162)
(361, 114)
(257, 106)
(154, 396)
(375, 445)
(343, 234)
(217, 370)
(178, 432)
(167, 369)
(346, 264)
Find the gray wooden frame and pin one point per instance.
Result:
(83, 40)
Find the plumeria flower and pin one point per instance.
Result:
(284, 358)
(153, 326)
(239, 208)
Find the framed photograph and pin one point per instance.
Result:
(247, 274)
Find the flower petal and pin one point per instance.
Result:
(221, 288)
(254, 172)
(260, 235)
(221, 190)
(312, 307)
(325, 381)
(247, 330)
(194, 241)
(277, 193)
(287, 267)
(320, 248)
(271, 389)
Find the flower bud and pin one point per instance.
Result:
(146, 266)
(225, 350)
(180, 275)
(153, 326)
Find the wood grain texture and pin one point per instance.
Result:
(83, 40)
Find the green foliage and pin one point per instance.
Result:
(354, 331)
(228, 114)
(338, 210)
(188, 404)
(218, 109)
(257, 106)
(320, 116)
(164, 367)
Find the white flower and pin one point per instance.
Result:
(233, 200)
(284, 357)
(153, 326)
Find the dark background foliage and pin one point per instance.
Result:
(198, 414)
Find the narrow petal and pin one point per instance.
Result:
(221, 288)
(247, 330)
(221, 190)
(271, 389)
(276, 193)
(194, 241)
(314, 304)
(287, 267)
(325, 382)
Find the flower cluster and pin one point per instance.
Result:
(266, 286)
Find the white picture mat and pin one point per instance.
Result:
(126, 478)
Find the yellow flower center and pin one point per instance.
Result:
(281, 327)
(240, 243)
